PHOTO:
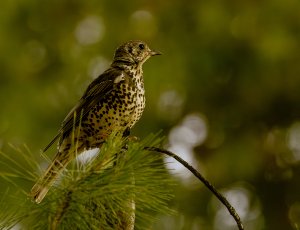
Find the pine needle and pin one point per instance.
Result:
(122, 187)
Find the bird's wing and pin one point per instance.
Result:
(94, 93)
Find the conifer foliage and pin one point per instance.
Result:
(123, 187)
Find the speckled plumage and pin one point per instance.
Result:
(113, 102)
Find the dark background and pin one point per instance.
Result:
(225, 92)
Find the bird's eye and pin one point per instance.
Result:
(142, 46)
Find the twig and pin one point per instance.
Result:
(61, 211)
(202, 179)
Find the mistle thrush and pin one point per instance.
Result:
(113, 102)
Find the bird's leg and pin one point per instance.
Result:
(126, 133)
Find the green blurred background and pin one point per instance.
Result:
(225, 93)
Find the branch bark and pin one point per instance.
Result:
(231, 209)
(61, 211)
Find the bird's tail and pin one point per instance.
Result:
(42, 186)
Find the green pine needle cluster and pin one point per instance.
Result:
(124, 186)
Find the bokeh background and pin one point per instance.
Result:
(225, 92)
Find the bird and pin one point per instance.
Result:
(112, 103)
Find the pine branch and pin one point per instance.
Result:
(204, 181)
(60, 211)
(119, 189)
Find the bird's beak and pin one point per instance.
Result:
(154, 52)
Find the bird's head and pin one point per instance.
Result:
(133, 53)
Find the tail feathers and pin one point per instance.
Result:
(42, 186)
(38, 192)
